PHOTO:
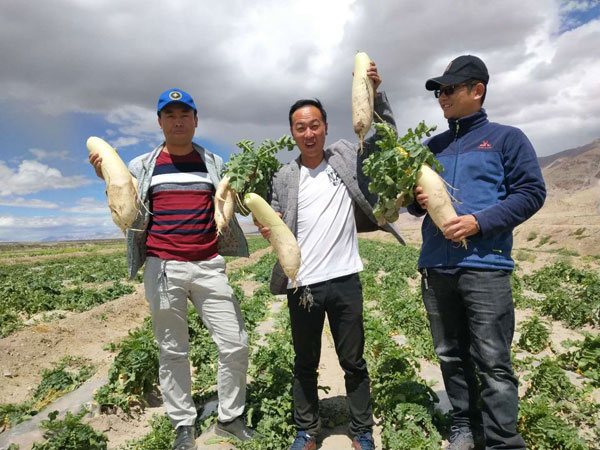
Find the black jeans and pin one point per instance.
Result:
(472, 322)
(341, 298)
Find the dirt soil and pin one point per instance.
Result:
(27, 352)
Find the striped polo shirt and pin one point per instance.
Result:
(182, 226)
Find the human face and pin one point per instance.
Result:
(464, 101)
(178, 123)
(309, 130)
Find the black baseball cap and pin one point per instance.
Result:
(463, 68)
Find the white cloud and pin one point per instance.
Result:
(41, 154)
(250, 61)
(89, 205)
(124, 141)
(65, 227)
(20, 202)
(134, 120)
(553, 97)
(32, 176)
(245, 63)
(7, 221)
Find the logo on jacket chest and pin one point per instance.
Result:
(485, 145)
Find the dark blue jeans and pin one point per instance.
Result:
(341, 299)
(472, 319)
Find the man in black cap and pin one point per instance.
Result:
(497, 182)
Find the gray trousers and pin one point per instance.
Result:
(168, 286)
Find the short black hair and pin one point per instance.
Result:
(308, 102)
(185, 108)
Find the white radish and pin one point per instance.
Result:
(121, 187)
(282, 239)
(363, 97)
(439, 205)
(224, 205)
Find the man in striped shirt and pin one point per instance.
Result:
(175, 235)
(182, 225)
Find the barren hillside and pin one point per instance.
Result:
(570, 218)
(570, 174)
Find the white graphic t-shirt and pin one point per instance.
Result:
(326, 227)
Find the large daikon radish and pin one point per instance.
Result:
(224, 205)
(282, 239)
(121, 187)
(439, 204)
(363, 97)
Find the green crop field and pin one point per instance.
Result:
(559, 381)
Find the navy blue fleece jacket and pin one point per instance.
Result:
(495, 176)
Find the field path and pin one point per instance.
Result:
(333, 404)
(334, 435)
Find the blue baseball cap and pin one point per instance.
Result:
(175, 96)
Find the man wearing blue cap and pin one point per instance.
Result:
(497, 182)
(175, 235)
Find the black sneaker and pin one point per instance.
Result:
(185, 438)
(235, 429)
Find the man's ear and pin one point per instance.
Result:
(159, 123)
(479, 90)
(326, 129)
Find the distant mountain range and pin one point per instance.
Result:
(83, 236)
(572, 170)
(570, 153)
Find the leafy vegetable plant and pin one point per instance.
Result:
(542, 429)
(246, 182)
(571, 294)
(393, 169)
(70, 433)
(534, 335)
(585, 358)
(252, 169)
(134, 371)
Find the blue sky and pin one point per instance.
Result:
(77, 68)
(576, 14)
